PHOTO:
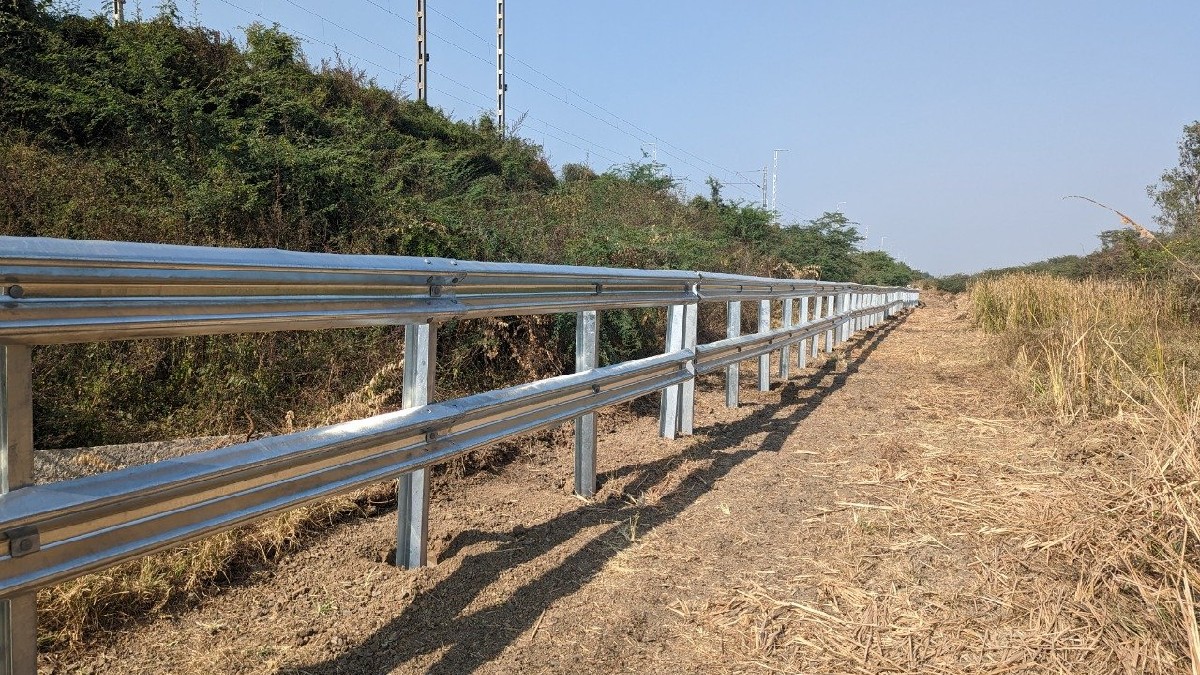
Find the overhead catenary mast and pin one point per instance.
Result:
(501, 87)
(422, 54)
(775, 180)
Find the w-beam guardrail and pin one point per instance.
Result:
(58, 291)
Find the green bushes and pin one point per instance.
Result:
(149, 131)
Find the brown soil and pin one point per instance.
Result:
(878, 513)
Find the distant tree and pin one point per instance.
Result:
(1177, 192)
(827, 242)
(880, 268)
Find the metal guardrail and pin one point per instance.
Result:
(58, 291)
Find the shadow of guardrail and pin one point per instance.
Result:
(469, 641)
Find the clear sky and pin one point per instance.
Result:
(953, 129)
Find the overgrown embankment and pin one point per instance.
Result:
(151, 131)
(1128, 353)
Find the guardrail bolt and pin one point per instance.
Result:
(599, 288)
(15, 292)
(435, 290)
(23, 541)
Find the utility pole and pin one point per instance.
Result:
(422, 55)
(764, 187)
(775, 180)
(501, 87)
(118, 12)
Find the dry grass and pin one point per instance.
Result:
(1089, 348)
(990, 538)
(71, 613)
(1123, 353)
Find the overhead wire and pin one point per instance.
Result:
(535, 69)
(597, 148)
(309, 38)
(557, 97)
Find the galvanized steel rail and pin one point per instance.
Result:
(57, 291)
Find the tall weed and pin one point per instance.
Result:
(1124, 352)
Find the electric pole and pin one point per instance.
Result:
(501, 87)
(118, 12)
(764, 187)
(422, 55)
(775, 179)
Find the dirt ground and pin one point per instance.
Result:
(870, 515)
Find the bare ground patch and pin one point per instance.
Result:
(887, 511)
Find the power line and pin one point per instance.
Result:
(309, 38)
(555, 96)
(582, 97)
(604, 151)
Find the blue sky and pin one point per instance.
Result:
(953, 129)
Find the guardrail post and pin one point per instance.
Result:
(802, 346)
(733, 328)
(668, 409)
(412, 489)
(829, 333)
(687, 390)
(586, 353)
(18, 615)
(785, 353)
(764, 361)
(817, 300)
(843, 305)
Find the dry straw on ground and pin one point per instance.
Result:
(996, 538)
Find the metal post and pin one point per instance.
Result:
(668, 409)
(412, 489)
(733, 328)
(847, 326)
(829, 333)
(843, 303)
(118, 12)
(422, 55)
(687, 390)
(764, 361)
(801, 349)
(775, 179)
(18, 615)
(586, 349)
(816, 317)
(785, 353)
(501, 86)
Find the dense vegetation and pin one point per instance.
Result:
(151, 131)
